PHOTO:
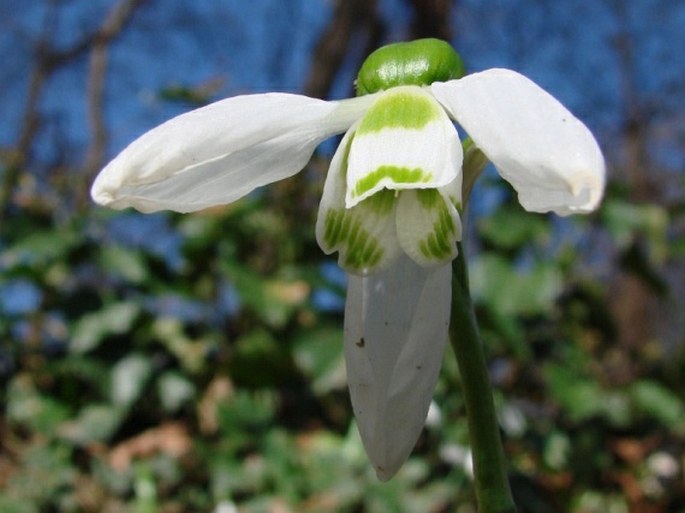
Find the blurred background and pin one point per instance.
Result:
(169, 363)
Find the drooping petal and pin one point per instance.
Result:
(547, 154)
(218, 153)
(364, 235)
(396, 325)
(428, 226)
(404, 141)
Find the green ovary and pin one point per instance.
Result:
(420, 62)
(398, 175)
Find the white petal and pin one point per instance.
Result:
(428, 227)
(546, 153)
(404, 141)
(396, 325)
(218, 153)
(364, 235)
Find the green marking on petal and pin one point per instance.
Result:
(381, 202)
(339, 227)
(456, 202)
(363, 252)
(438, 243)
(429, 198)
(333, 226)
(398, 175)
(404, 108)
(359, 261)
(361, 249)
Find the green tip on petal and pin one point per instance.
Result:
(419, 62)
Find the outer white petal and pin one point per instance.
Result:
(404, 141)
(546, 153)
(218, 153)
(364, 235)
(396, 326)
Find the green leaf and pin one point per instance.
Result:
(273, 299)
(145, 489)
(319, 355)
(40, 249)
(260, 360)
(94, 423)
(174, 390)
(10, 504)
(625, 220)
(128, 379)
(495, 282)
(126, 263)
(582, 398)
(191, 353)
(655, 400)
(557, 450)
(93, 328)
(247, 414)
(44, 476)
(511, 228)
(26, 406)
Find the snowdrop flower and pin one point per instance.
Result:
(391, 201)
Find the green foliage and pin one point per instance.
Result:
(212, 372)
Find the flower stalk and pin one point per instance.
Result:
(492, 485)
(474, 163)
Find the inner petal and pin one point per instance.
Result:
(404, 141)
(428, 227)
(364, 235)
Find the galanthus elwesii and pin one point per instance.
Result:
(391, 202)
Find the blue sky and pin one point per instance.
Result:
(567, 47)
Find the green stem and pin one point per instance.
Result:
(473, 165)
(489, 466)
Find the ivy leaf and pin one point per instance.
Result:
(113, 319)
(512, 291)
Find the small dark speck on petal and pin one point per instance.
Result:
(361, 342)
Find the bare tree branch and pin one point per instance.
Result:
(432, 19)
(353, 21)
(39, 74)
(351, 17)
(113, 24)
(46, 61)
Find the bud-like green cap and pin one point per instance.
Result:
(419, 62)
